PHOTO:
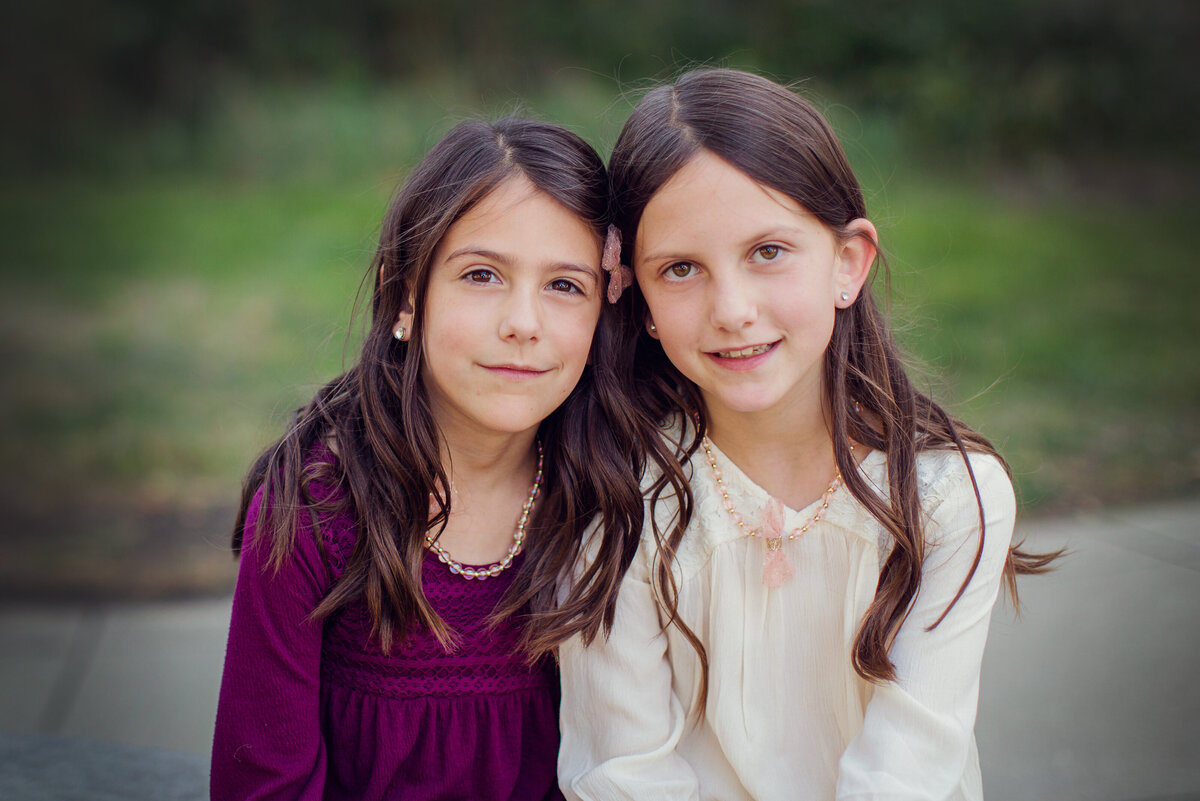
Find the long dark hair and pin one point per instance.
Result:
(376, 417)
(781, 141)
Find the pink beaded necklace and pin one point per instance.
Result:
(777, 569)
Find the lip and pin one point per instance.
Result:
(514, 372)
(742, 363)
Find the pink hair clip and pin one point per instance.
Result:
(619, 275)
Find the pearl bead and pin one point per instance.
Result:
(774, 543)
(491, 571)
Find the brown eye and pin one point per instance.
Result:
(768, 252)
(566, 286)
(680, 269)
(480, 276)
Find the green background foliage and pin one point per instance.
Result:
(1010, 79)
(193, 190)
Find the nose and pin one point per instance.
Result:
(732, 303)
(521, 318)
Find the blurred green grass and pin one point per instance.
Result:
(1065, 329)
(164, 313)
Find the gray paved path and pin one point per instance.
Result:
(1090, 696)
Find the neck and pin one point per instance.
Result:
(788, 452)
(491, 476)
(488, 460)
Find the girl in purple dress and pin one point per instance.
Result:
(396, 610)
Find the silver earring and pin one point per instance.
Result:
(845, 296)
(399, 333)
(653, 328)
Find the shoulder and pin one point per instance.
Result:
(944, 476)
(333, 512)
(324, 523)
(958, 509)
(950, 508)
(322, 468)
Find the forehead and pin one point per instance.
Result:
(509, 197)
(709, 195)
(517, 219)
(706, 173)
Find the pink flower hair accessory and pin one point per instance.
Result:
(619, 275)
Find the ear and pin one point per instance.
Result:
(403, 327)
(651, 329)
(853, 264)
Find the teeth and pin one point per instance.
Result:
(744, 352)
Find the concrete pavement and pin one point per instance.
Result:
(1090, 696)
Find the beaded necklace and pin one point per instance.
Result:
(777, 569)
(471, 573)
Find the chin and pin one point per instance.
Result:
(742, 402)
(517, 423)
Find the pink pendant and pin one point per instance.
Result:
(777, 570)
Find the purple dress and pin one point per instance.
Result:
(314, 710)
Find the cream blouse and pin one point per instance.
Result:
(788, 718)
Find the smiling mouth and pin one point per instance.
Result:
(744, 353)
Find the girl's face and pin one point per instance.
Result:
(512, 302)
(742, 284)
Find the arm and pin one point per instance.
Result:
(268, 741)
(917, 732)
(621, 721)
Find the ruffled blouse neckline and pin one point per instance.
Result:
(751, 499)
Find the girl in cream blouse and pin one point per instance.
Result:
(806, 614)
(787, 716)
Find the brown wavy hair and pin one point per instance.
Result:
(376, 417)
(779, 140)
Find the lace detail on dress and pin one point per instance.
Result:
(486, 662)
(845, 516)
(431, 680)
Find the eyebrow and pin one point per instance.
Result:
(775, 232)
(649, 257)
(507, 261)
(778, 232)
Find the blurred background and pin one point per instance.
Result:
(191, 192)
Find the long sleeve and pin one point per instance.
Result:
(268, 743)
(621, 721)
(917, 740)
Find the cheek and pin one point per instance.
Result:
(678, 336)
(578, 341)
(675, 316)
(656, 304)
(447, 331)
(678, 347)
